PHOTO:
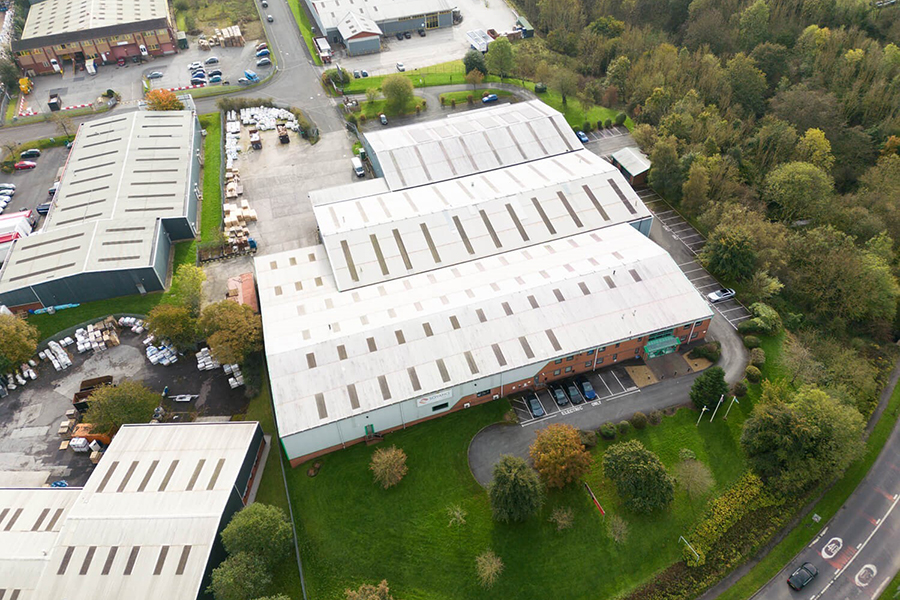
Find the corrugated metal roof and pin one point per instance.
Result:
(354, 23)
(470, 142)
(56, 17)
(449, 312)
(454, 221)
(633, 160)
(331, 12)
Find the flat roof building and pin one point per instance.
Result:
(146, 524)
(129, 189)
(634, 164)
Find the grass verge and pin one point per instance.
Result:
(462, 96)
(830, 503)
(211, 214)
(442, 74)
(373, 108)
(892, 591)
(305, 29)
(11, 106)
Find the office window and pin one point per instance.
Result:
(600, 361)
(568, 369)
(601, 349)
(590, 352)
(637, 351)
(558, 361)
(694, 335)
(698, 323)
(439, 407)
(687, 326)
(615, 357)
(640, 339)
(617, 345)
(588, 364)
(483, 393)
(570, 358)
(556, 372)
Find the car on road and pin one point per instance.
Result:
(194, 66)
(212, 60)
(583, 137)
(407, 34)
(587, 390)
(400, 67)
(214, 72)
(720, 295)
(489, 98)
(533, 404)
(558, 394)
(400, 36)
(574, 395)
(215, 79)
(243, 81)
(23, 165)
(154, 74)
(270, 18)
(30, 153)
(263, 62)
(263, 52)
(383, 119)
(421, 33)
(804, 574)
(265, 4)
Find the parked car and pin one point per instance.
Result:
(270, 18)
(533, 404)
(574, 395)
(243, 81)
(383, 119)
(400, 36)
(30, 153)
(583, 137)
(154, 75)
(8, 186)
(120, 62)
(212, 60)
(200, 74)
(135, 59)
(356, 75)
(263, 52)
(24, 164)
(559, 395)
(365, 73)
(421, 33)
(263, 62)
(198, 81)
(400, 67)
(214, 72)
(265, 4)
(215, 79)
(800, 578)
(43, 209)
(490, 98)
(720, 295)
(261, 45)
(407, 35)
(143, 50)
(587, 390)
(194, 66)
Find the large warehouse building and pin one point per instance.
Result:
(129, 190)
(57, 31)
(494, 255)
(145, 526)
(359, 24)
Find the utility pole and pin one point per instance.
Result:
(721, 398)
(733, 400)
(702, 410)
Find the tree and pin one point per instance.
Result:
(161, 99)
(694, 477)
(709, 387)
(389, 466)
(754, 25)
(110, 407)
(474, 60)
(695, 191)
(474, 77)
(559, 456)
(371, 95)
(814, 148)
(798, 190)
(18, 342)
(233, 331)
(772, 59)
(9, 75)
(499, 58)
(565, 82)
(370, 592)
(278, 597)
(729, 254)
(797, 444)
(398, 92)
(489, 566)
(261, 530)
(607, 27)
(173, 323)
(666, 175)
(187, 288)
(515, 491)
(618, 529)
(543, 72)
(640, 478)
(748, 84)
(240, 577)
(63, 123)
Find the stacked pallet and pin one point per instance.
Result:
(58, 356)
(236, 219)
(23, 375)
(232, 36)
(136, 325)
(233, 185)
(95, 337)
(161, 355)
(237, 378)
(206, 361)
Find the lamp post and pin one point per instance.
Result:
(721, 399)
(697, 556)
(702, 411)
(733, 400)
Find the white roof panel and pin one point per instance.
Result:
(633, 160)
(332, 11)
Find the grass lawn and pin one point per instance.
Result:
(11, 106)
(461, 97)
(305, 29)
(892, 591)
(375, 107)
(443, 74)
(572, 110)
(211, 215)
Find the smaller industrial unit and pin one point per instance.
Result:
(146, 524)
(495, 255)
(634, 164)
(360, 25)
(128, 191)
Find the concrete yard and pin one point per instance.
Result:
(33, 186)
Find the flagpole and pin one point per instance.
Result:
(733, 400)
(594, 498)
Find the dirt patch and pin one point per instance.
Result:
(641, 375)
(697, 364)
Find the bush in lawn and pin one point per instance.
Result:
(751, 341)
(618, 529)
(639, 420)
(694, 477)
(261, 530)
(739, 389)
(600, 124)
(655, 417)
(586, 126)
(443, 101)
(239, 577)
(620, 118)
(516, 492)
(559, 456)
(757, 357)
(370, 592)
(470, 99)
(750, 326)
(768, 318)
(362, 119)
(351, 118)
(562, 517)
(709, 387)
(640, 478)
(485, 94)
(389, 466)
(624, 427)
(489, 566)
(588, 438)
(607, 431)
(686, 454)
(710, 351)
(607, 123)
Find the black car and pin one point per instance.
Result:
(400, 36)
(587, 390)
(214, 72)
(533, 404)
(800, 578)
(356, 75)
(559, 395)
(574, 395)
(43, 209)
(407, 34)
(421, 33)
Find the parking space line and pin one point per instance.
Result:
(730, 309)
(692, 270)
(603, 381)
(665, 213)
(690, 262)
(553, 407)
(692, 235)
(533, 421)
(617, 379)
(736, 319)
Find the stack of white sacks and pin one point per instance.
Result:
(23, 375)
(57, 356)
(205, 361)
(265, 118)
(136, 325)
(161, 355)
(236, 379)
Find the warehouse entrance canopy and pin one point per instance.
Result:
(661, 346)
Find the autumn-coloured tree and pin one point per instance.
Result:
(113, 406)
(163, 100)
(559, 456)
(18, 341)
(174, 324)
(233, 331)
(389, 466)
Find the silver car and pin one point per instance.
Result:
(720, 295)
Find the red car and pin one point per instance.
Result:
(121, 62)
(24, 164)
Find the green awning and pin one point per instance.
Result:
(670, 341)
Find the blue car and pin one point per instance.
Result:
(582, 136)
(215, 79)
(489, 98)
(586, 388)
(263, 52)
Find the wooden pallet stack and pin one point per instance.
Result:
(236, 218)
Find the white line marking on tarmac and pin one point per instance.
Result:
(617, 380)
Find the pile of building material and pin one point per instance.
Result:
(230, 36)
(57, 355)
(233, 185)
(161, 355)
(136, 325)
(236, 219)
(96, 337)
(232, 138)
(205, 361)
(237, 378)
(265, 118)
(21, 376)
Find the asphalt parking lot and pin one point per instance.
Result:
(609, 384)
(30, 415)
(32, 186)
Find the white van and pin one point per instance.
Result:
(358, 167)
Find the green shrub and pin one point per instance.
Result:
(607, 431)
(624, 427)
(753, 374)
(607, 123)
(739, 389)
(710, 351)
(768, 317)
(620, 118)
(586, 126)
(469, 99)
(453, 103)
(751, 341)
(485, 94)
(639, 420)
(686, 454)
(362, 119)
(443, 101)
(750, 326)
(352, 118)
(588, 438)
(655, 417)
(757, 357)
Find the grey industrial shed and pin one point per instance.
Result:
(390, 17)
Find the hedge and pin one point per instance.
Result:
(753, 374)
(751, 341)
(757, 357)
(710, 351)
(607, 431)
(639, 420)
